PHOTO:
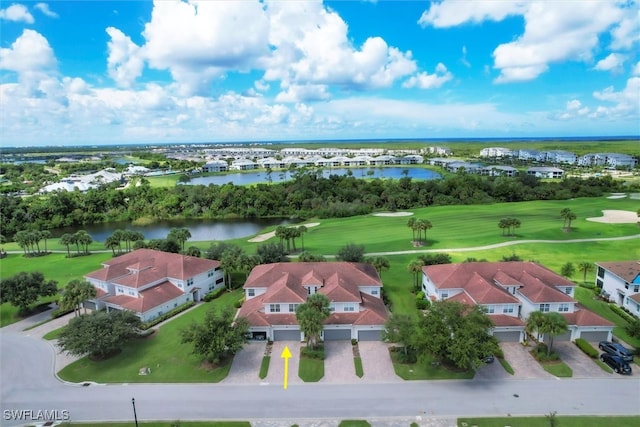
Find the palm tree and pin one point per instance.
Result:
(66, 239)
(111, 243)
(412, 225)
(535, 322)
(570, 217)
(415, 267)
(554, 324)
(302, 229)
(281, 232)
(118, 236)
(180, 235)
(380, 264)
(585, 267)
(83, 238)
(425, 225)
(503, 225)
(564, 213)
(22, 237)
(513, 224)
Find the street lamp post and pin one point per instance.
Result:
(135, 416)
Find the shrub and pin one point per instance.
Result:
(214, 294)
(59, 313)
(633, 328)
(499, 353)
(167, 315)
(318, 353)
(354, 341)
(620, 312)
(421, 302)
(586, 348)
(540, 354)
(239, 303)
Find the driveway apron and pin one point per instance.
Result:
(245, 368)
(376, 362)
(523, 363)
(276, 366)
(338, 363)
(581, 364)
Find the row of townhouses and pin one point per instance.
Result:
(151, 283)
(452, 165)
(613, 160)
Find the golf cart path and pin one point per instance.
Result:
(504, 244)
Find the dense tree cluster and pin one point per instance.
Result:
(24, 289)
(307, 195)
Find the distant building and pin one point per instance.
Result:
(545, 172)
(559, 156)
(215, 166)
(83, 182)
(499, 170)
(243, 165)
(498, 152)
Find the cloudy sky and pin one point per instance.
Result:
(96, 72)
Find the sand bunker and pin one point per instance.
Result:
(393, 214)
(616, 217)
(617, 196)
(267, 236)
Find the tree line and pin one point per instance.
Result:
(307, 195)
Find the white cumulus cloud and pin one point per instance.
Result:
(16, 13)
(30, 52)
(124, 63)
(425, 80)
(44, 8)
(613, 62)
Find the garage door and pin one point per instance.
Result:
(564, 337)
(337, 334)
(594, 336)
(507, 336)
(369, 335)
(286, 335)
(89, 305)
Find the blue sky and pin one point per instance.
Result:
(118, 72)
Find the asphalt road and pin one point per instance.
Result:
(27, 383)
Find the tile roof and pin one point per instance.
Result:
(144, 266)
(626, 270)
(148, 299)
(481, 281)
(584, 317)
(504, 320)
(339, 280)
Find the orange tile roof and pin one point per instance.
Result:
(148, 299)
(504, 320)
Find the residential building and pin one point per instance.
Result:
(456, 166)
(560, 156)
(509, 292)
(274, 291)
(495, 152)
(151, 283)
(545, 172)
(215, 166)
(84, 182)
(498, 170)
(530, 155)
(243, 165)
(620, 282)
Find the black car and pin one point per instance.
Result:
(616, 349)
(616, 363)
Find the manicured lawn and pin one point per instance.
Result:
(357, 361)
(54, 266)
(354, 423)
(310, 370)
(170, 361)
(558, 369)
(264, 367)
(563, 421)
(427, 369)
(53, 335)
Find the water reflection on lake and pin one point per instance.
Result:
(247, 178)
(200, 229)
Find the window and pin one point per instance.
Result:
(600, 272)
(568, 290)
(544, 308)
(507, 309)
(444, 295)
(374, 292)
(636, 288)
(490, 309)
(209, 273)
(274, 308)
(292, 308)
(220, 280)
(190, 282)
(349, 307)
(251, 292)
(131, 292)
(563, 308)
(332, 308)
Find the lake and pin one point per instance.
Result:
(256, 177)
(200, 229)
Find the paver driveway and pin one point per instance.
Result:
(523, 363)
(338, 363)
(581, 364)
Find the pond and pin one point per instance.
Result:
(256, 177)
(200, 229)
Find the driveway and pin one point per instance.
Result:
(581, 364)
(245, 368)
(276, 366)
(523, 364)
(338, 363)
(376, 362)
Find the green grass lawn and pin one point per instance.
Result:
(264, 367)
(354, 423)
(53, 335)
(562, 421)
(507, 367)
(427, 369)
(169, 360)
(357, 362)
(175, 423)
(558, 369)
(310, 370)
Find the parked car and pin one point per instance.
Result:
(616, 363)
(616, 349)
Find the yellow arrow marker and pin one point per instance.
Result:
(286, 355)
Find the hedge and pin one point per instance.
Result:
(622, 313)
(214, 294)
(167, 315)
(586, 348)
